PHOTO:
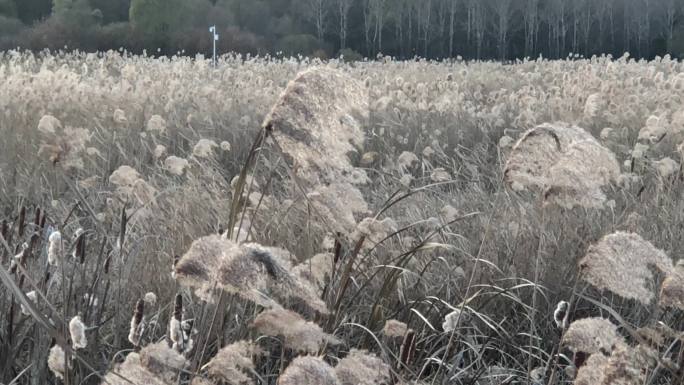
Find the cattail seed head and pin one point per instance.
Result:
(150, 298)
(560, 315)
(77, 331)
(137, 323)
(57, 361)
(32, 296)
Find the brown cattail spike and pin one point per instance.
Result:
(178, 308)
(22, 220)
(36, 220)
(408, 348)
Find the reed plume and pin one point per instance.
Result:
(162, 361)
(247, 269)
(316, 122)
(566, 163)
(308, 370)
(233, 364)
(621, 262)
(362, 368)
(297, 333)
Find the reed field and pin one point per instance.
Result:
(291, 221)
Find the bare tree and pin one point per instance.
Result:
(531, 21)
(343, 7)
(452, 21)
(317, 12)
(503, 10)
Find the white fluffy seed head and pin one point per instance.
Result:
(560, 315)
(150, 298)
(77, 331)
(57, 361)
(54, 248)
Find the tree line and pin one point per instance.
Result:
(472, 29)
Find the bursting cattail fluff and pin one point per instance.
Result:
(57, 361)
(77, 331)
(54, 248)
(150, 298)
(560, 315)
(137, 323)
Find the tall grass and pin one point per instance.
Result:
(389, 222)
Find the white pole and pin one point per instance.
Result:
(215, 38)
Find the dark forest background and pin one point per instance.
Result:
(473, 29)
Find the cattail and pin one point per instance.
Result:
(137, 323)
(79, 245)
(621, 262)
(560, 315)
(31, 295)
(22, 221)
(308, 370)
(176, 333)
(176, 258)
(78, 235)
(362, 368)
(297, 333)
(36, 220)
(57, 361)
(150, 298)
(408, 349)
(454, 319)
(232, 363)
(77, 331)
